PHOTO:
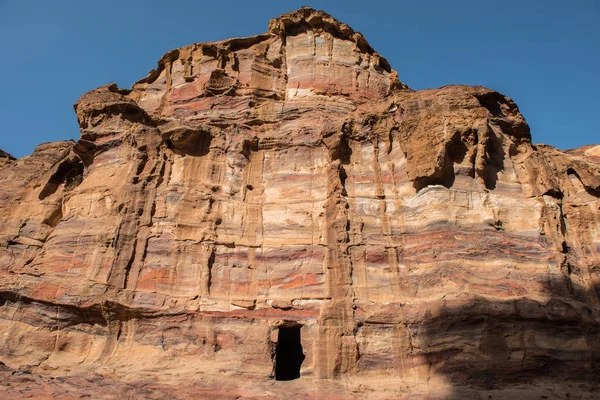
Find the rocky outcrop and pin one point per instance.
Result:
(413, 241)
(5, 156)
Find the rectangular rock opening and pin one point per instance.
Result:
(288, 353)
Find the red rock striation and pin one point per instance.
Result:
(414, 242)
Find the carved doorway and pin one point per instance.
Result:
(288, 353)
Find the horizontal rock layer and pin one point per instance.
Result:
(418, 240)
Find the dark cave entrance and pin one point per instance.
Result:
(288, 354)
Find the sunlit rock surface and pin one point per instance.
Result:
(417, 239)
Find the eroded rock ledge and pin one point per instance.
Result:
(417, 240)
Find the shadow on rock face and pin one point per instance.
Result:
(516, 349)
(69, 173)
(495, 164)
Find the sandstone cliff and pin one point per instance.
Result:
(417, 242)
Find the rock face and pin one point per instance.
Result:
(288, 188)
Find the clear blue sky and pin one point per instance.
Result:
(545, 54)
